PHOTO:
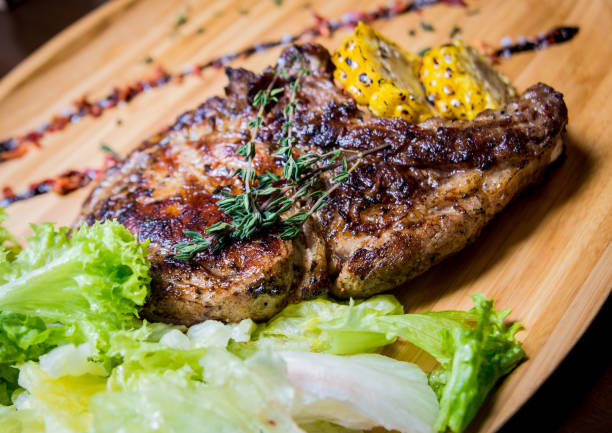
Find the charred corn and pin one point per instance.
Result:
(461, 82)
(383, 76)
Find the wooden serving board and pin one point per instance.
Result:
(548, 256)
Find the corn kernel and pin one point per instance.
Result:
(461, 82)
(380, 74)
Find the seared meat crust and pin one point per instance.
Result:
(405, 208)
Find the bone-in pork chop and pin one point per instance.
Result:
(427, 194)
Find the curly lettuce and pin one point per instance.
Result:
(22, 338)
(95, 280)
(67, 289)
(8, 244)
(476, 354)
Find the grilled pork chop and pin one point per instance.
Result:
(405, 208)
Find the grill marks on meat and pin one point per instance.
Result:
(434, 189)
(405, 208)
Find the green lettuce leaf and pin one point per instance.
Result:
(22, 338)
(8, 245)
(475, 349)
(8, 383)
(64, 289)
(322, 325)
(95, 280)
(232, 395)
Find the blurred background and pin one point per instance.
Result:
(27, 24)
(577, 398)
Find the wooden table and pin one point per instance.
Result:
(560, 232)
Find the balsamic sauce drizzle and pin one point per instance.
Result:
(556, 35)
(72, 180)
(65, 183)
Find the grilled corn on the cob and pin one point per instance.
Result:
(380, 74)
(461, 82)
(458, 80)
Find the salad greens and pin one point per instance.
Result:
(474, 348)
(322, 325)
(361, 391)
(61, 289)
(8, 245)
(22, 338)
(74, 357)
(95, 280)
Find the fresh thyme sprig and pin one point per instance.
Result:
(267, 197)
(291, 170)
(242, 209)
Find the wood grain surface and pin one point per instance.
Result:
(548, 256)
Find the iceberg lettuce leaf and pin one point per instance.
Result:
(322, 325)
(475, 348)
(140, 353)
(62, 403)
(361, 391)
(22, 421)
(232, 395)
